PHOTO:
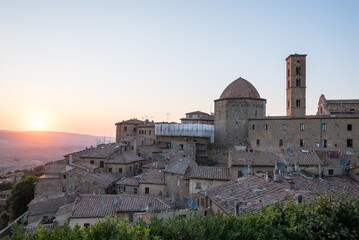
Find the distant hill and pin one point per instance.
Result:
(19, 150)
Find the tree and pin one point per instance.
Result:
(21, 195)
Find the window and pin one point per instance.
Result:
(265, 127)
(102, 164)
(86, 225)
(124, 189)
(254, 127)
(288, 103)
(147, 190)
(92, 162)
(135, 190)
(297, 103)
(64, 189)
(258, 142)
(130, 218)
(125, 129)
(240, 173)
(64, 176)
(149, 132)
(281, 142)
(297, 71)
(198, 185)
(301, 142)
(330, 172)
(284, 126)
(349, 127)
(120, 170)
(350, 143)
(324, 127)
(180, 147)
(130, 168)
(298, 82)
(110, 169)
(134, 129)
(288, 72)
(178, 182)
(324, 143)
(288, 84)
(302, 127)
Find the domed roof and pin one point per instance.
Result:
(240, 88)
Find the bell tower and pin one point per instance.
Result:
(296, 84)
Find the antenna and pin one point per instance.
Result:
(168, 115)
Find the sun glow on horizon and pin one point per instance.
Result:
(37, 124)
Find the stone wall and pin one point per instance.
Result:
(156, 190)
(269, 132)
(55, 167)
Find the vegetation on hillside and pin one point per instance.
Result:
(329, 217)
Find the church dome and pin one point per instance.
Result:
(240, 88)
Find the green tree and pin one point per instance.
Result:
(21, 194)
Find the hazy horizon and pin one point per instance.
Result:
(80, 67)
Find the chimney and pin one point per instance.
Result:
(70, 159)
(289, 168)
(149, 207)
(297, 169)
(267, 176)
(320, 170)
(249, 168)
(276, 174)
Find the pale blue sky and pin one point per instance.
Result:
(81, 66)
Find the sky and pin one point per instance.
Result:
(82, 66)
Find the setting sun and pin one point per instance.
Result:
(37, 124)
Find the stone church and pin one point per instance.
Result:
(240, 117)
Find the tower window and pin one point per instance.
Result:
(302, 127)
(288, 72)
(297, 71)
(288, 103)
(324, 127)
(350, 143)
(125, 129)
(147, 190)
(281, 142)
(301, 142)
(254, 127)
(324, 143)
(298, 82)
(297, 103)
(265, 127)
(288, 84)
(258, 142)
(284, 126)
(349, 127)
(134, 129)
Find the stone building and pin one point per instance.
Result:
(240, 117)
(238, 102)
(198, 117)
(338, 106)
(127, 128)
(124, 164)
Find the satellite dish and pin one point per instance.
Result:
(344, 162)
(244, 170)
(281, 166)
(189, 202)
(194, 206)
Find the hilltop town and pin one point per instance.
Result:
(234, 161)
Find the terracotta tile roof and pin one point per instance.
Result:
(50, 197)
(32, 229)
(129, 181)
(240, 88)
(130, 121)
(215, 173)
(339, 116)
(101, 151)
(179, 165)
(103, 179)
(93, 206)
(85, 165)
(153, 176)
(64, 209)
(255, 158)
(50, 175)
(254, 192)
(161, 164)
(151, 148)
(343, 101)
(305, 157)
(124, 158)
